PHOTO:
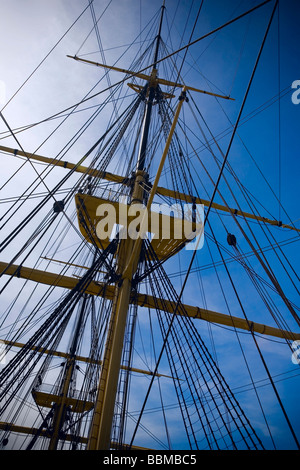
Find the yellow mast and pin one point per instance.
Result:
(128, 258)
(127, 263)
(105, 401)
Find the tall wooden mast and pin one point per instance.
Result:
(62, 400)
(127, 262)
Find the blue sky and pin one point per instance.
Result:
(30, 29)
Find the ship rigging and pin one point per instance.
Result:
(107, 324)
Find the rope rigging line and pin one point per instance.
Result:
(11, 131)
(269, 272)
(74, 255)
(95, 21)
(214, 139)
(122, 400)
(170, 55)
(159, 384)
(51, 193)
(240, 344)
(49, 167)
(41, 338)
(163, 286)
(212, 417)
(214, 192)
(265, 365)
(264, 264)
(250, 115)
(51, 50)
(83, 393)
(229, 167)
(96, 29)
(231, 258)
(279, 115)
(250, 202)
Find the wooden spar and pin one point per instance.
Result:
(64, 164)
(44, 432)
(143, 76)
(144, 300)
(160, 190)
(16, 344)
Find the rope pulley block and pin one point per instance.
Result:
(231, 240)
(58, 206)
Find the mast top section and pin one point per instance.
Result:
(144, 76)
